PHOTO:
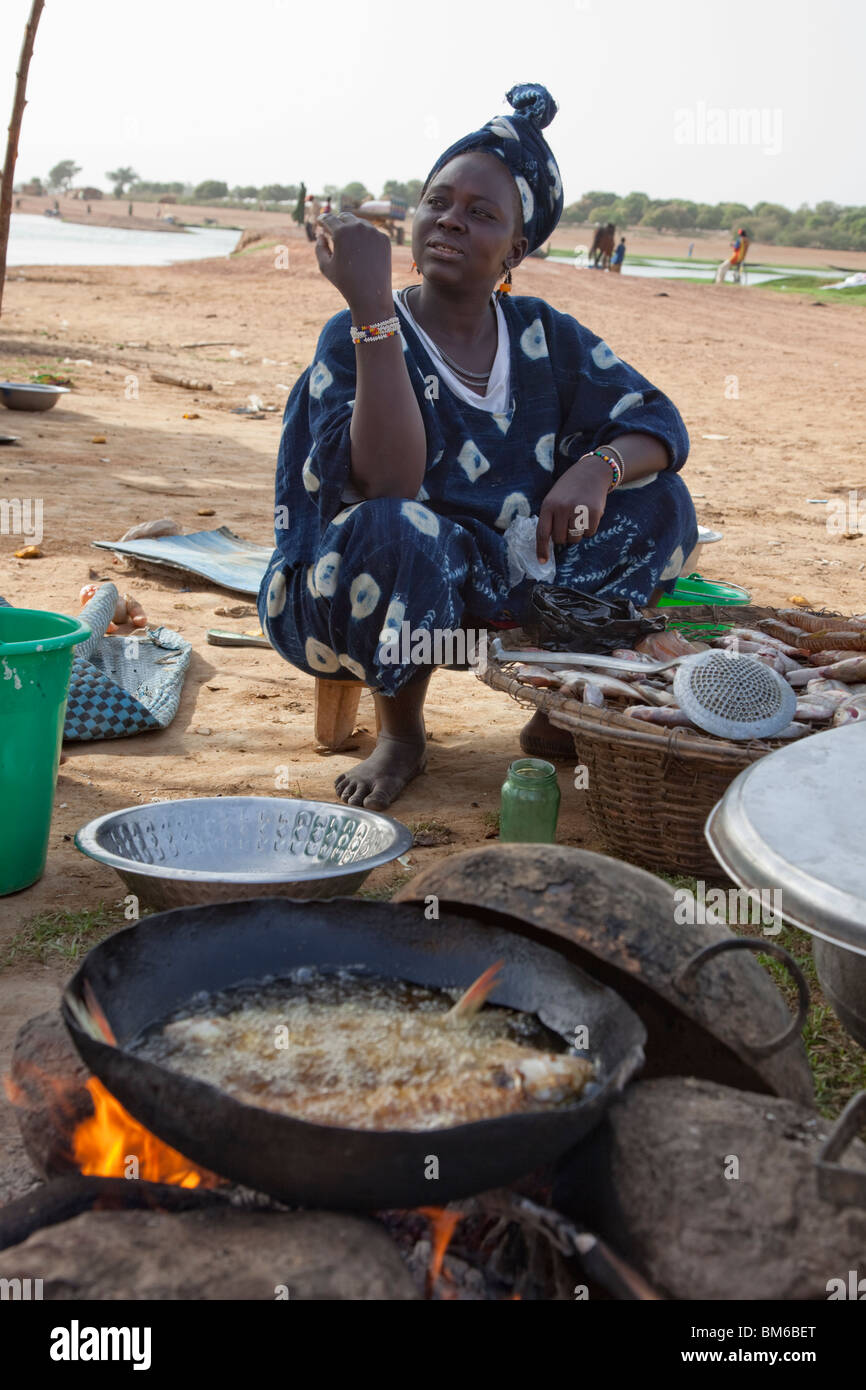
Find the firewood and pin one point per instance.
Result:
(188, 383)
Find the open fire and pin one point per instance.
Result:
(111, 1144)
(480, 1248)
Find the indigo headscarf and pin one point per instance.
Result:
(518, 141)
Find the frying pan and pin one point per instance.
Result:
(146, 971)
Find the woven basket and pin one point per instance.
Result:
(649, 789)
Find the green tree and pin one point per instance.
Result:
(355, 192)
(413, 192)
(780, 214)
(394, 189)
(61, 176)
(710, 218)
(245, 190)
(278, 192)
(210, 189)
(120, 178)
(298, 213)
(633, 205)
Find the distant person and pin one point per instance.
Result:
(691, 247)
(736, 260)
(56, 205)
(17, 203)
(88, 209)
(327, 207)
(312, 208)
(129, 210)
(618, 257)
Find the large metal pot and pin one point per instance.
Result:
(794, 822)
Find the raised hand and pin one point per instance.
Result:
(356, 258)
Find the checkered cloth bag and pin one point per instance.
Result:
(121, 686)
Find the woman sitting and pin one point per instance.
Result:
(433, 417)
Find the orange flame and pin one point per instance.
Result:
(111, 1144)
(443, 1224)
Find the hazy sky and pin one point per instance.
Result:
(652, 93)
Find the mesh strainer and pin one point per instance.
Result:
(734, 696)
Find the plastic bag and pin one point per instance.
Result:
(523, 560)
(567, 620)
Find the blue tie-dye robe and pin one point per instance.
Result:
(346, 574)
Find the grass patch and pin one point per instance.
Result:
(384, 892)
(434, 826)
(257, 246)
(838, 1063)
(67, 936)
(816, 288)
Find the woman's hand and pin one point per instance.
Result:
(356, 257)
(575, 504)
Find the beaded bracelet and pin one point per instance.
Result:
(613, 458)
(373, 332)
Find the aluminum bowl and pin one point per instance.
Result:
(28, 395)
(222, 848)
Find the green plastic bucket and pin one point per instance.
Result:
(35, 662)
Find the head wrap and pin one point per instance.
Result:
(519, 143)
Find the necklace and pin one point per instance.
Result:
(471, 379)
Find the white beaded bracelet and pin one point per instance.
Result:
(372, 332)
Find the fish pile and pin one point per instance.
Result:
(823, 657)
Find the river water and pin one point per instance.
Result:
(685, 269)
(39, 240)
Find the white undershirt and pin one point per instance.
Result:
(497, 399)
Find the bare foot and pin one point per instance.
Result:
(541, 739)
(379, 779)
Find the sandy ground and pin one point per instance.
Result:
(778, 377)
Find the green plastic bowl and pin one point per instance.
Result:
(695, 589)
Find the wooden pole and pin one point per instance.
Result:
(18, 105)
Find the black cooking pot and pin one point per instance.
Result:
(147, 971)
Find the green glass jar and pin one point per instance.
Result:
(530, 802)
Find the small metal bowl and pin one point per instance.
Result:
(27, 395)
(221, 848)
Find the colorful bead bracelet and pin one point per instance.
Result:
(613, 459)
(373, 332)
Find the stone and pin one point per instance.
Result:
(213, 1254)
(711, 1193)
(48, 1091)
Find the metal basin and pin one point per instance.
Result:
(26, 395)
(222, 848)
